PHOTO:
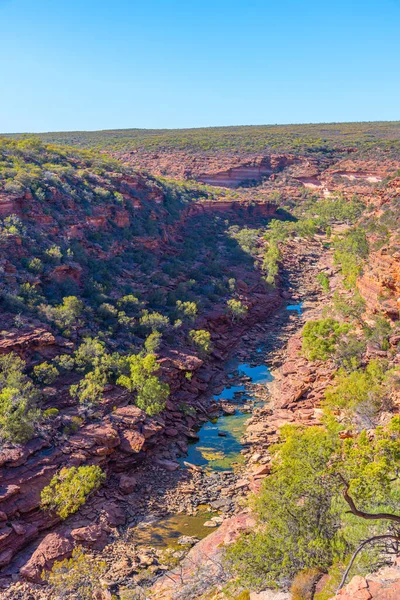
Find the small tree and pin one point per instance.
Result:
(18, 412)
(151, 392)
(202, 340)
(187, 310)
(320, 338)
(69, 489)
(90, 388)
(65, 315)
(45, 373)
(237, 309)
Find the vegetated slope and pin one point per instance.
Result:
(319, 138)
(91, 343)
(114, 297)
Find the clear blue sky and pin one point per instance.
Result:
(92, 64)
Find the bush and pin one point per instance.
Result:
(320, 338)
(90, 389)
(69, 489)
(65, 315)
(323, 280)
(153, 342)
(359, 391)
(80, 575)
(154, 321)
(45, 373)
(237, 309)
(187, 310)
(202, 340)
(18, 412)
(89, 354)
(51, 413)
(151, 392)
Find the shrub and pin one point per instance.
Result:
(323, 280)
(45, 373)
(187, 310)
(359, 391)
(153, 342)
(35, 265)
(151, 392)
(65, 315)
(320, 338)
(18, 412)
(90, 389)
(202, 340)
(69, 489)
(154, 321)
(237, 309)
(349, 352)
(51, 413)
(89, 354)
(79, 575)
(53, 254)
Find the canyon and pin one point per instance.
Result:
(144, 456)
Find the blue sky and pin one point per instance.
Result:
(92, 64)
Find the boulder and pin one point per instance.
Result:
(127, 483)
(55, 546)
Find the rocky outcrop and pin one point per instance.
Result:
(380, 283)
(382, 585)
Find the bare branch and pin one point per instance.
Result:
(375, 538)
(359, 513)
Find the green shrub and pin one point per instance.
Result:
(237, 309)
(51, 413)
(187, 310)
(90, 389)
(323, 280)
(319, 338)
(151, 392)
(154, 321)
(202, 340)
(45, 373)
(65, 315)
(358, 391)
(69, 489)
(19, 414)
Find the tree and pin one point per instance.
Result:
(302, 510)
(319, 338)
(151, 392)
(70, 488)
(187, 310)
(89, 354)
(19, 414)
(90, 389)
(237, 309)
(202, 340)
(65, 315)
(270, 262)
(296, 523)
(45, 373)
